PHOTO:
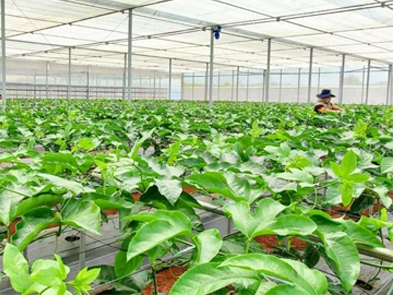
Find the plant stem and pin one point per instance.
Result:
(155, 282)
(377, 265)
(248, 246)
(15, 192)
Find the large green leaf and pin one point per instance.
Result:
(71, 185)
(170, 189)
(349, 163)
(208, 243)
(360, 234)
(82, 214)
(122, 266)
(138, 144)
(340, 248)
(207, 278)
(291, 224)
(8, 205)
(161, 226)
(286, 290)
(32, 223)
(36, 202)
(387, 165)
(279, 268)
(248, 223)
(17, 269)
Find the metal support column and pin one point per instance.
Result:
(129, 56)
(267, 77)
(82, 250)
(280, 89)
(319, 79)
(218, 85)
(341, 85)
(88, 83)
(3, 55)
(170, 80)
(363, 77)
(154, 86)
(69, 73)
(237, 83)
(263, 85)
(35, 87)
(310, 76)
(389, 86)
(248, 84)
(125, 76)
(298, 85)
(211, 67)
(206, 80)
(47, 80)
(182, 86)
(193, 86)
(159, 86)
(368, 79)
(233, 85)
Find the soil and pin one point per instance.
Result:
(268, 242)
(189, 190)
(165, 280)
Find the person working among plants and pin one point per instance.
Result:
(323, 105)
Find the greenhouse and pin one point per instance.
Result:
(192, 147)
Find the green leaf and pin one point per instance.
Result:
(291, 224)
(349, 163)
(207, 278)
(173, 151)
(347, 191)
(340, 248)
(84, 278)
(73, 186)
(48, 272)
(360, 234)
(387, 165)
(280, 268)
(337, 170)
(82, 214)
(138, 144)
(247, 223)
(208, 243)
(286, 290)
(162, 225)
(16, 268)
(8, 205)
(33, 222)
(383, 195)
(122, 266)
(36, 202)
(170, 189)
(357, 177)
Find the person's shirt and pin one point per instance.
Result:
(319, 106)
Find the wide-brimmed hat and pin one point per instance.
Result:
(325, 93)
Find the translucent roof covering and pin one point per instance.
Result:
(97, 31)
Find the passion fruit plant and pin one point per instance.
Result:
(279, 169)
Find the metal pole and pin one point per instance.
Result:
(159, 86)
(218, 85)
(47, 80)
(35, 86)
(280, 90)
(267, 85)
(211, 68)
(182, 87)
(319, 78)
(368, 79)
(389, 84)
(82, 250)
(125, 76)
(233, 84)
(193, 86)
(3, 54)
(310, 75)
(129, 56)
(170, 80)
(341, 90)
(69, 73)
(363, 77)
(237, 84)
(154, 86)
(248, 84)
(88, 82)
(391, 88)
(298, 85)
(206, 80)
(263, 84)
